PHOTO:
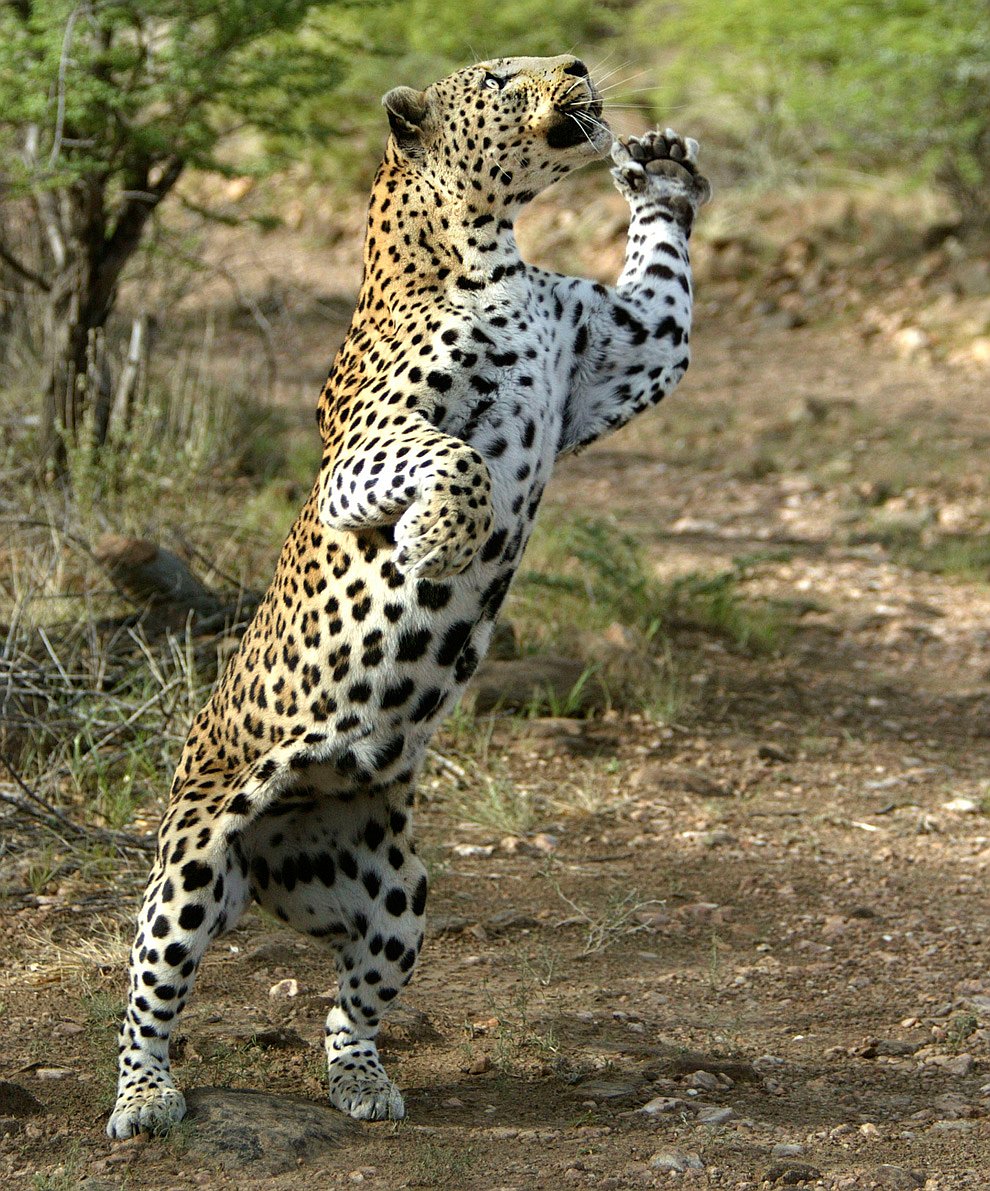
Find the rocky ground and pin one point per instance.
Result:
(735, 940)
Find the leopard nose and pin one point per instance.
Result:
(577, 68)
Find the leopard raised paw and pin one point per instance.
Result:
(662, 165)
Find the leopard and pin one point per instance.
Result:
(464, 375)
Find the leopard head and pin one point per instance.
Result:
(496, 134)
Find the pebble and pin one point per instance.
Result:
(962, 806)
(544, 842)
(473, 849)
(676, 1160)
(284, 988)
(665, 1104)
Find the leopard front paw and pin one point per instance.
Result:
(439, 541)
(663, 164)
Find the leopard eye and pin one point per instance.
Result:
(492, 82)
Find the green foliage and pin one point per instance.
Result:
(417, 43)
(114, 89)
(599, 576)
(895, 82)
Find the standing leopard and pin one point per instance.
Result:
(465, 373)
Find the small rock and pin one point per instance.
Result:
(284, 988)
(772, 752)
(677, 1160)
(479, 1065)
(666, 1104)
(506, 920)
(447, 924)
(452, 1102)
(714, 1114)
(892, 1047)
(964, 1126)
(791, 1174)
(53, 1073)
(953, 1064)
(738, 1070)
(951, 1106)
(787, 1150)
(468, 850)
(544, 843)
(962, 806)
(16, 1101)
(898, 1178)
(704, 1080)
(260, 1135)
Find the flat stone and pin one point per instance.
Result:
(259, 1133)
(953, 1064)
(715, 1114)
(898, 1178)
(509, 920)
(660, 1105)
(785, 1149)
(447, 924)
(677, 1160)
(791, 1174)
(605, 1089)
(16, 1101)
(284, 988)
(893, 1048)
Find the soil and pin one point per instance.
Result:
(741, 945)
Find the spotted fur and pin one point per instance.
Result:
(464, 374)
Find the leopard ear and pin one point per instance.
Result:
(407, 110)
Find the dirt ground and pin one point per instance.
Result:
(742, 945)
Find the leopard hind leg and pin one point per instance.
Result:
(344, 870)
(194, 894)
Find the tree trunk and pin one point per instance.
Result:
(81, 300)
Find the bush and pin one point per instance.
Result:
(902, 83)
